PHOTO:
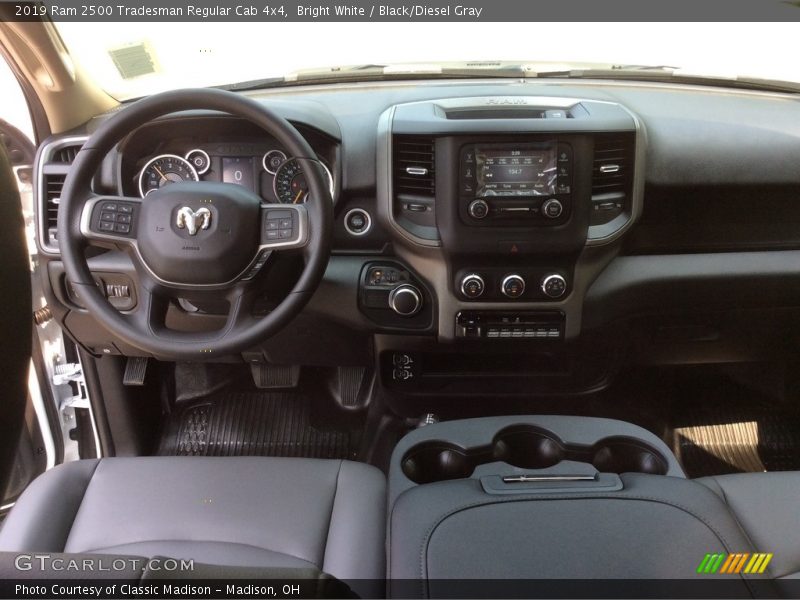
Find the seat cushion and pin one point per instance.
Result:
(767, 506)
(236, 511)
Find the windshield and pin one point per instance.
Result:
(130, 60)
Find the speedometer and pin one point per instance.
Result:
(164, 170)
(290, 184)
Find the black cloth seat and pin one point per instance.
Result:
(235, 511)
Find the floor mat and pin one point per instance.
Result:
(715, 442)
(254, 424)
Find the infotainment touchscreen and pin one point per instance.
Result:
(515, 172)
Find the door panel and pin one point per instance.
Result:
(18, 442)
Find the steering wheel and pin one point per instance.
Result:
(193, 240)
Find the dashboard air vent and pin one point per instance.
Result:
(66, 155)
(55, 163)
(414, 166)
(613, 165)
(53, 184)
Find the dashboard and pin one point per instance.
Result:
(491, 236)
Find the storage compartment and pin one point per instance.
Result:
(496, 368)
(529, 447)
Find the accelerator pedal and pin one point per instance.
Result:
(349, 387)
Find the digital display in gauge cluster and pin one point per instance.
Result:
(239, 170)
(273, 175)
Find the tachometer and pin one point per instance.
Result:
(290, 183)
(164, 170)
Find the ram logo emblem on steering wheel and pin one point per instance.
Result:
(188, 219)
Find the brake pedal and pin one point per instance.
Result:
(270, 377)
(135, 370)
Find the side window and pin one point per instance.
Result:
(14, 108)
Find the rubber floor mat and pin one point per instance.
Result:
(716, 442)
(254, 424)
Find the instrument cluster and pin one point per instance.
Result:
(272, 174)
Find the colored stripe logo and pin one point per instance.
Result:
(733, 564)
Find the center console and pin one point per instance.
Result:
(548, 506)
(501, 452)
(507, 208)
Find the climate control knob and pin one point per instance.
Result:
(472, 286)
(554, 286)
(552, 209)
(405, 300)
(478, 209)
(513, 286)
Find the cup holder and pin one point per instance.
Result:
(436, 461)
(529, 447)
(627, 455)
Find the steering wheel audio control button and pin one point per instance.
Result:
(283, 226)
(110, 217)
